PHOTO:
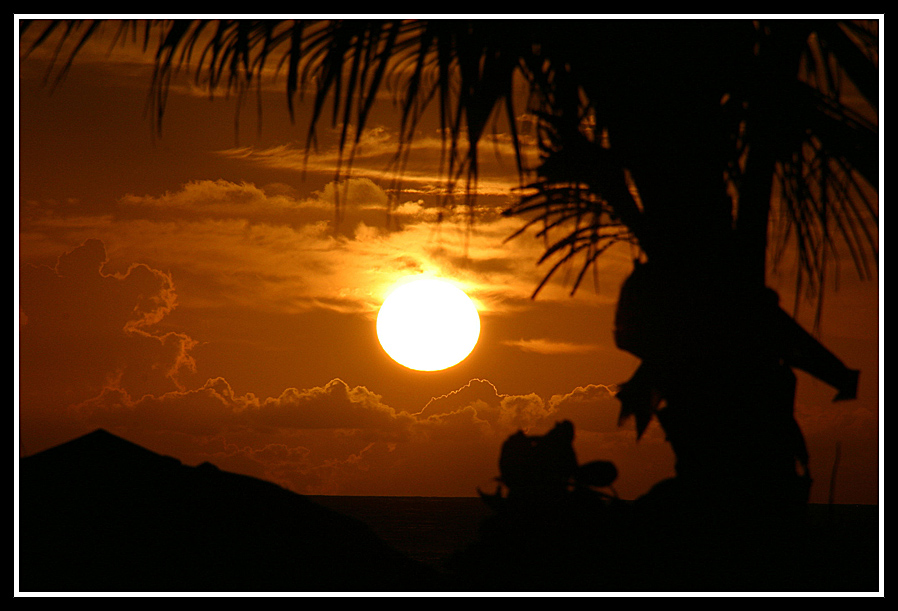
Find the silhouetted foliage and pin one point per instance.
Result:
(680, 135)
(553, 528)
(537, 469)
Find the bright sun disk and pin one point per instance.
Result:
(428, 324)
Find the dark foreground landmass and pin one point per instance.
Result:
(101, 514)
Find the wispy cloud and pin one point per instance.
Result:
(266, 246)
(376, 157)
(548, 346)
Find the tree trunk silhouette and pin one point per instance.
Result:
(716, 348)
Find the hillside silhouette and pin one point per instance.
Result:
(101, 514)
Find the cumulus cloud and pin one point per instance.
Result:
(506, 413)
(210, 198)
(593, 407)
(332, 439)
(335, 405)
(82, 328)
(215, 409)
(337, 439)
(354, 193)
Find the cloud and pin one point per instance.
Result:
(81, 328)
(375, 157)
(95, 355)
(337, 439)
(273, 203)
(332, 439)
(475, 392)
(269, 249)
(547, 346)
(211, 198)
(93, 349)
(294, 467)
(335, 405)
(215, 409)
(505, 413)
(360, 193)
(592, 407)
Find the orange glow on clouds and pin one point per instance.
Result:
(203, 299)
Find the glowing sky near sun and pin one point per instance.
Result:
(196, 294)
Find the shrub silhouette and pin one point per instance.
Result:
(552, 527)
(541, 468)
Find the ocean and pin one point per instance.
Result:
(431, 529)
(426, 529)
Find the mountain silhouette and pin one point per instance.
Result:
(102, 514)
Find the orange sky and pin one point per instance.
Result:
(193, 294)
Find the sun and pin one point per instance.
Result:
(428, 324)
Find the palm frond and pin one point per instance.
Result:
(787, 111)
(831, 171)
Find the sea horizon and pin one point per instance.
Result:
(431, 529)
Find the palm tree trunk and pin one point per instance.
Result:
(716, 367)
(724, 393)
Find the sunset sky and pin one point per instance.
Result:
(196, 294)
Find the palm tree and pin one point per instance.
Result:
(686, 138)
